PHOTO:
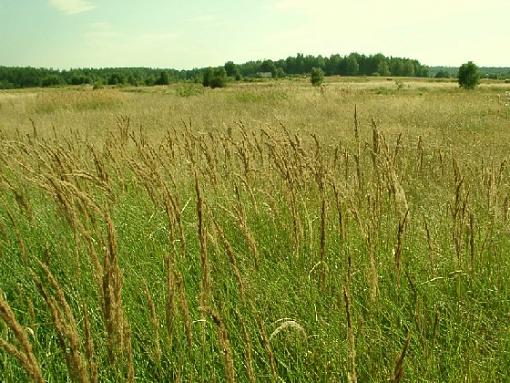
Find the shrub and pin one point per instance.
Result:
(215, 78)
(442, 74)
(469, 76)
(317, 76)
(280, 73)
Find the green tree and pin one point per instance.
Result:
(350, 66)
(115, 79)
(469, 76)
(383, 68)
(268, 66)
(52, 80)
(317, 76)
(216, 78)
(219, 78)
(207, 76)
(163, 79)
(238, 76)
(231, 69)
(409, 69)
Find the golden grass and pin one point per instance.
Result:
(144, 219)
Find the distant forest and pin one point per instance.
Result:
(497, 73)
(354, 64)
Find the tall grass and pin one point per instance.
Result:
(252, 254)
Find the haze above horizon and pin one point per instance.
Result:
(169, 34)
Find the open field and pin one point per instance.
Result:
(261, 232)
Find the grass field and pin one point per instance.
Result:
(263, 232)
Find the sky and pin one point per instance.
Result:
(197, 33)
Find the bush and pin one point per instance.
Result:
(98, 84)
(189, 89)
(215, 78)
(280, 73)
(469, 76)
(317, 76)
(4, 84)
(442, 74)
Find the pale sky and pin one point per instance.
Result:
(198, 33)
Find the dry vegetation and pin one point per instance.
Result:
(262, 232)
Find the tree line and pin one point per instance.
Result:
(25, 77)
(495, 73)
(354, 64)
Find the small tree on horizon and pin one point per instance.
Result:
(216, 78)
(317, 76)
(469, 76)
(230, 68)
(219, 79)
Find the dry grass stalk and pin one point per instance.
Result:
(296, 222)
(130, 365)
(398, 372)
(225, 346)
(458, 211)
(322, 248)
(240, 216)
(357, 155)
(66, 326)
(352, 376)
(356, 124)
(375, 147)
(24, 353)
(472, 249)
(248, 351)
(400, 246)
(340, 210)
(170, 298)
(183, 305)
(288, 324)
(373, 275)
(430, 248)
(112, 291)
(231, 257)
(269, 350)
(21, 242)
(31, 309)
(94, 257)
(89, 347)
(155, 325)
(506, 209)
(419, 149)
(205, 287)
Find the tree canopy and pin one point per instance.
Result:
(469, 76)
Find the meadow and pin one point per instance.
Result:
(266, 231)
